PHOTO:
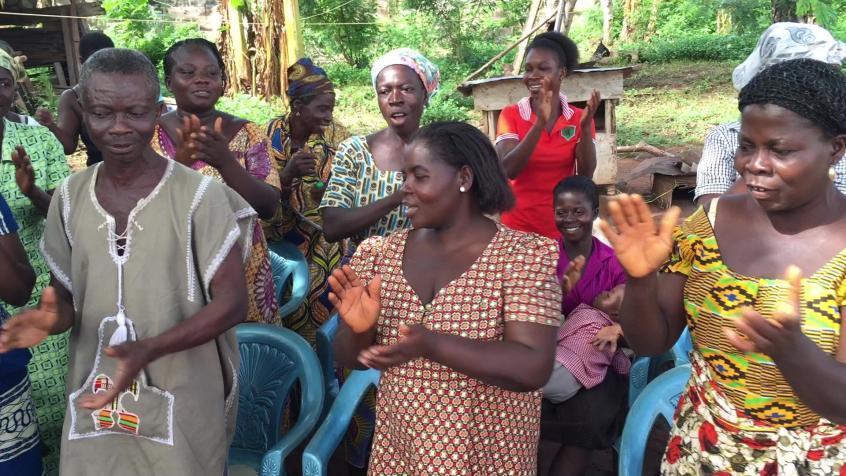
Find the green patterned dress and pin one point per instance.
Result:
(50, 359)
(356, 181)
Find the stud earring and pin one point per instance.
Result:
(832, 174)
(462, 189)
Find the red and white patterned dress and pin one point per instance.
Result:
(431, 419)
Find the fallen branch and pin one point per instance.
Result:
(644, 147)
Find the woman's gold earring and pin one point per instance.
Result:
(832, 174)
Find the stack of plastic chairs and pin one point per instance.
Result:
(272, 361)
(644, 369)
(341, 403)
(290, 270)
(658, 399)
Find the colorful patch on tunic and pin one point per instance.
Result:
(568, 132)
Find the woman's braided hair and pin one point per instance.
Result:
(459, 144)
(810, 88)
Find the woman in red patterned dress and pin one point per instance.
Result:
(459, 313)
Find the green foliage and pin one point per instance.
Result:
(146, 34)
(251, 108)
(344, 28)
(823, 11)
(693, 47)
(674, 104)
(343, 74)
(448, 105)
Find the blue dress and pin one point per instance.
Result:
(20, 444)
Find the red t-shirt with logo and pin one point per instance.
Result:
(553, 160)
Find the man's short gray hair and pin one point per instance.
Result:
(120, 61)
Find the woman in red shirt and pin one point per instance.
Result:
(542, 139)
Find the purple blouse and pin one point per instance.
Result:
(602, 273)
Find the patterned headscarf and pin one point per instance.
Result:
(425, 69)
(786, 41)
(9, 63)
(306, 79)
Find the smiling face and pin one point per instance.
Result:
(542, 63)
(783, 157)
(196, 79)
(7, 91)
(120, 114)
(317, 114)
(401, 97)
(431, 186)
(574, 215)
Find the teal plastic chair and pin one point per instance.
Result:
(644, 369)
(289, 270)
(658, 399)
(325, 337)
(272, 360)
(328, 436)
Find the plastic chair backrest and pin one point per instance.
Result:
(328, 436)
(324, 338)
(644, 369)
(682, 348)
(272, 360)
(659, 398)
(289, 266)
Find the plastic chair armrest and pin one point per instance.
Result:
(328, 436)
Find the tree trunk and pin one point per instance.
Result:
(724, 23)
(257, 47)
(607, 20)
(568, 22)
(652, 26)
(784, 10)
(628, 31)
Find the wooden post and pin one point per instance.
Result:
(528, 28)
(559, 16)
(74, 28)
(60, 75)
(69, 54)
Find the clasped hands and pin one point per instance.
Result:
(359, 306)
(198, 142)
(642, 248)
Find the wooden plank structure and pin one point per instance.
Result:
(490, 96)
(49, 40)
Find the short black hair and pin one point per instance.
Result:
(579, 184)
(120, 61)
(459, 144)
(93, 42)
(561, 45)
(812, 89)
(169, 62)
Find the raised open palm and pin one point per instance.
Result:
(32, 326)
(357, 304)
(639, 246)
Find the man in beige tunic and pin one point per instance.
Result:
(148, 273)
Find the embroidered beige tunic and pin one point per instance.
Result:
(431, 419)
(178, 417)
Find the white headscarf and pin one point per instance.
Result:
(786, 41)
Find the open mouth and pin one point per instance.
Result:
(534, 87)
(202, 94)
(399, 115)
